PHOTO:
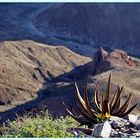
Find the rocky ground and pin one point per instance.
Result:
(113, 127)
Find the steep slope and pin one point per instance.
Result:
(28, 68)
(125, 72)
(26, 65)
(112, 25)
(80, 27)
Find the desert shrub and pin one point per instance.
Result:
(38, 127)
(104, 106)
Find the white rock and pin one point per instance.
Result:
(137, 124)
(138, 120)
(114, 118)
(133, 118)
(102, 130)
(136, 134)
(117, 122)
(125, 135)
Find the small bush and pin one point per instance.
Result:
(38, 127)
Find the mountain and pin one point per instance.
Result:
(125, 72)
(93, 25)
(46, 47)
(25, 66)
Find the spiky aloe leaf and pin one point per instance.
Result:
(79, 96)
(72, 110)
(117, 96)
(106, 107)
(126, 106)
(86, 116)
(117, 103)
(96, 100)
(73, 116)
(102, 104)
(129, 110)
(84, 105)
(78, 119)
(80, 100)
(96, 95)
(112, 100)
(106, 97)
(123, 108)
(83, 113)
(89, 109)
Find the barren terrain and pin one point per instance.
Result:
(45, 48)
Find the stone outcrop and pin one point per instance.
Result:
(105, 61)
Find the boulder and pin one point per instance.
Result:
(136, 135)
(137, 123)
(135, 120)
(132, 118)
(117, 122)
(113, 127)
(102, 130)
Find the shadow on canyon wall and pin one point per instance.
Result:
(79, 73)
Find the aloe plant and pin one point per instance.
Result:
(104, 108)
